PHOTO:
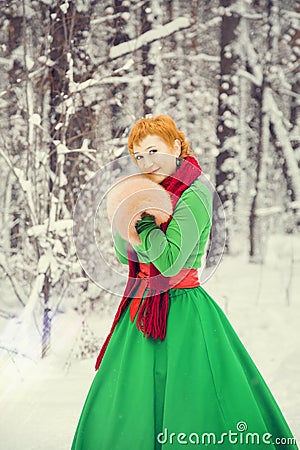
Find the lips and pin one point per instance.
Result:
(154, 171)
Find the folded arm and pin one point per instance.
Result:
(187, 230)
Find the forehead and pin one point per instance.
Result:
(150, 141)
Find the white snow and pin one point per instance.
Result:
(35, 119)
(26, 186)
(41, 400)
(64, 7)
(29, 62)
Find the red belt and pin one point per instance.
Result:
(186, 278)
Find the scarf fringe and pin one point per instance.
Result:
(152, 315)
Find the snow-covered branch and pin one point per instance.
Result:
(291, 14)
(96, 81)
(104, 19)
(205, 57)
(148, 37)
(250, 55)
(25, 184)
(42, 267)
(130, 46)
(268, 211)
(249, 77)
(240, 8)
(281, 133)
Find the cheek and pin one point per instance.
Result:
(169, 162)
(166, 159)
(140, 163)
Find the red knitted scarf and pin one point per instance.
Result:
(152, 315)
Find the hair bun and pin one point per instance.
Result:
(129, 197)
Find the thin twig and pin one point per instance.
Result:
(13, 283)
(15, 352)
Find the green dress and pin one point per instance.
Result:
(198, 387)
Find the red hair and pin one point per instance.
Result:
(162, 126)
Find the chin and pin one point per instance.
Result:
(156, 177)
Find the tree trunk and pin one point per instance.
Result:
(294, 107)
(46, 334)
(14, 39)
(257, 232)
(120, 7)
(147, 66)
(226, 129)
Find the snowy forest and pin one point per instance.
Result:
(75, 76)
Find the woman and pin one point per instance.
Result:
(172, 371)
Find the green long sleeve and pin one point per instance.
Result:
(121, 246)
(184, 242)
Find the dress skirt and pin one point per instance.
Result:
(199, 388)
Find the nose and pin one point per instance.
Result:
(147, 163)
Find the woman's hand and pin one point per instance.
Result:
(145, 221)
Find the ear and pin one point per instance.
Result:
(177, 147)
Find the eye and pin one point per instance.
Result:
(151, 152)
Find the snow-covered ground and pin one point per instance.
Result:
(41, 399)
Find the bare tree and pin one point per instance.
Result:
(226, 160)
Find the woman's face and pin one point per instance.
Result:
(155, 158)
